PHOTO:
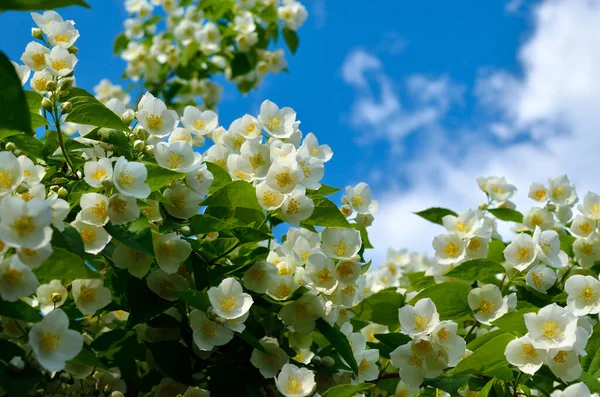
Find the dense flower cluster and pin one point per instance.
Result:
(177, 45)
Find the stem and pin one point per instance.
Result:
(61, 141)
(471, 330)
(57, 387)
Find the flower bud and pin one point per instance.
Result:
(316, 361)
(198, 140)
(64, 388)
(346, 210)
(66, 378)
(483, 206)
(117, 394)
(550, 207)
(50, 85)
(128, 116)
(54, 188)
(62, 192)
(139, 145)
(65, 84)
(55, 297)
(345, 200)
(149, 150)
(37, 33)
(40, 392)
(16, 364)
(63, 93)
(46, 103)
(107, 183)
(107, 389)
(66, 107)
(185, 230)
(142, 133)
(328, 362)
(79, 175)
(365, 220)
(10, 146)
(73, 50)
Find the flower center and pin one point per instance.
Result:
(88, 294)
(88, 234)
(24, 226)
(38, 59)
(442, 334)
(550, 329)
(528, 351)
(420, 322)
(283, 179)
(118, 205)
(415, 361)
(13, 276)
(6, 179)
(155, 121)
(587, 294)
(340, 248)
(522, 253)
(486, 306)
(293, 386)
(293, 206)
(126, 179)
(228, 303)
(50, 342)
(59, 64)
(99, 209)
(451, 249)
(98, 174)
(61, 38)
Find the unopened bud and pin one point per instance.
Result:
(79, 175)
(66, 107)
(107, 183)
(346, 210)
(56, 297)
(483, 206)
(50, 85)
(62, 192)
(16, 364)
(10, 146)
(185, 230)
(64, 388)
(40, 393)
(149, 150)
(54, 188)
(46, 103)
(63, 93)
(128, 116)
(345, 200)
(365, 220)
(107, 389)
(220, 320)
(316, 361)
(328, 362)
(139, 145)
(65, 84)
(550, 207)
(37, 33)
(73, 50)
(142, 133)
(66, 378)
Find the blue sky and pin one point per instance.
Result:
(417, 98)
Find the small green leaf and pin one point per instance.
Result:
(324, 190)
(252, 341)
(38, 121)
(196, 299)
(488, 359)
(381, 307)
(326, 214)
(507, 214)
(476, 270)
(89, 111)
(448, 382)
(389, 342)
(496, 251)
(159, 177)
(202, 223)
(120, 143)
(240, 64)
(234, 194)
(339, 341)
(34, 101)
(514, 321)
(349, 390)
(143, 303)
(19, 310)
(120, 44)
(291, 39)
(65, 266)
(450, 298)
(33, 5)
(220, 177)
(591, 382)
(69, 239)
(87, 357)
(566, 243)
(28, 144)
(138, 241)
(173, 359)
(435, 214)
(14, 112)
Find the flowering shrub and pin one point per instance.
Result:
(140, 257)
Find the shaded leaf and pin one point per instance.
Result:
(435, 214)
(476, 270)
(507, 214)
(14, 112)
(65, 266)
(450, 299)
(339, 341)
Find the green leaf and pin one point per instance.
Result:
(291, 39)
(159, 177)
(117, 138)
(234, 194)
(349, 390)
(514, 321)
(28, 144)
(252, 341)
(326, 214)
(220, 177)
(65, 266)
(240, 64)
(120, 44)
(19, 384)
(69, 239)
(202, 223)
(448, 382)
(34, 101)
(33, 5)
(138, 241)
(38, 121)
(483, 339)
(324, 190)
(496, 251)
(450, 299)
(14, 112)
(507, 214)
(591, 382)
(381, 307)
(339, 341)
(269, 14)
(143, 303)
(566, 243)
(389, 342)
(87, 357)
(435, 214)
(196, 299)
(476, 270)
(173, 359)
(19, 310)
(488, 359)
(89, 111)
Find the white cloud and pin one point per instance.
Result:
(553, 103)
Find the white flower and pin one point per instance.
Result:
(60, 210)
(43, 20)
(16, 280)
(199, 122)
(347, 271)
(538, 217)
(52, 341)
(206, 333)
(359, 198)
(587, 250)
(229, 300)
(540, 278)
(130, 178)
(154, 116)
(34, 257)
(575, 390)
(302, 314)
(94, 209)
(177, 156)
(11, 173)
(583, 226)
(95, 238)
(319, 273)
(25, 224)
(60, 62)
(548, 245)
(209, 38)
(312, 171)
(170, 251)
(254, 159)
(62, 34)
(410, 364)
(182, 202)
(163, 284)
(135, 262)
(496, 187)
(522, 354)
(590, 206)
(488, 303)
(538, 192)
(39, 80)
(282, 176)
(340, 243)
(247, 126)
(367, 365)
(521, 252)
(196, 392)
(553, 327)
(293, 14)
(420, 319)
(295, 382)
(297, 208)
(403, 390)
(32, 174)
(90, 295)
(35, 56)
(96, 172)
(562, 192)
(312, 147)
(281, 287)
(449, 248)
(277, 122)
(256, 278)
(51, 296)
(583, 295)
(199, 179)
(269, 365)
(122, 209)
(268, 198)
(444, 334)
(462, 225)
(564, 364)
